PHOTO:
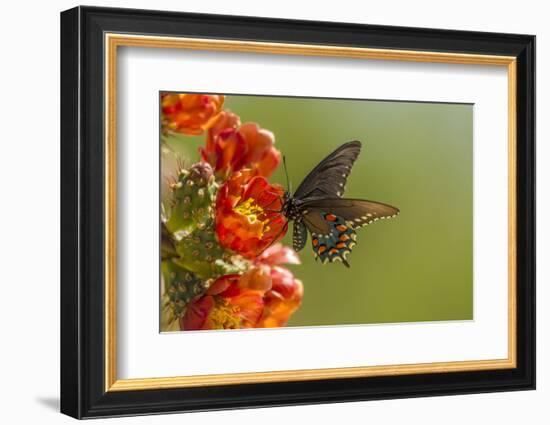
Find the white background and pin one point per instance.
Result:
(29, 225)
(141, 345)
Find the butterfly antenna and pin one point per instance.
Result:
(288, 183)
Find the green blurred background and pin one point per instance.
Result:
(417, 157)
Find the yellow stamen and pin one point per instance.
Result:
(224, 315)
(250, 209)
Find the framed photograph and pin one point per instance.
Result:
(261, 212)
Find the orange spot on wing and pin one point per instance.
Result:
(333, 251)
(315, 242)
(341, 228)
(330, 217)
(344, 238)
(340, 245)
(322, 249)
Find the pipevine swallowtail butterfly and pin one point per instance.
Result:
(317, 206)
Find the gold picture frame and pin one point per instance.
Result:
(114, 41)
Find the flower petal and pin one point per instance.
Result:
(279, 254)
(197, 313)
(190, 113)
(247, 217)
(257, 279)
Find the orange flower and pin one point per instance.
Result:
(278, 254)
(285, 295)
(282, 300)
(236, 147)
(232, 302)
(190, 113)
(247, 214)
(263, 297)
(226, 120)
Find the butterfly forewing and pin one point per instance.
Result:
(328, 178)
(356, 212)
(332, 224)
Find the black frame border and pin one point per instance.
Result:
(82, 206)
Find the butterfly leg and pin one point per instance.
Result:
(272, 202)
(282, 232)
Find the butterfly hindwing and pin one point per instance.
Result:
(328, 178)
(336, 242)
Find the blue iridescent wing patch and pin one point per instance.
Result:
(335, 243)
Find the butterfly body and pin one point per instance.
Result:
(292, 208)
(317, 207)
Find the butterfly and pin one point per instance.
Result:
(317, 206)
